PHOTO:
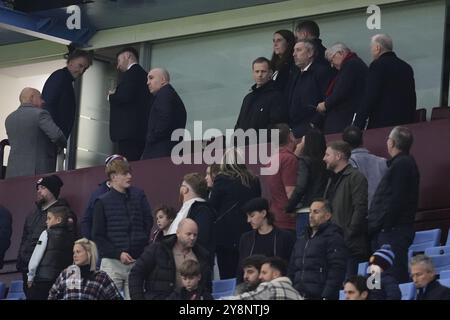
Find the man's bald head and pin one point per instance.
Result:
(31, 96)
(187, 233)
(157, 78)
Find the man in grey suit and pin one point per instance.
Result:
(33, 136)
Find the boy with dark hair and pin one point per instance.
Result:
(355, 288)
(52, 254)
(190, 276)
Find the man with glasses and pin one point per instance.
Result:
(122, 223)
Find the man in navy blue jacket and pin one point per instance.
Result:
(130, 106)
(122, 224)
(394, 204)
(166, 115)
(58, 92)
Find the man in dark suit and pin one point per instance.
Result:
(130, 106)
(166, 115)
(58, 92)
(33, 136)
(306, 89)
(309, 30)
(394, 205)
(424, 276)
(390, 98)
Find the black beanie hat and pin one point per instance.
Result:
(52, 183)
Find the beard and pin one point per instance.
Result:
(41, 201)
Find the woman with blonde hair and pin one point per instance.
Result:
(81, 281)
(233, 186)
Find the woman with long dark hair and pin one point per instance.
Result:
(282, 58)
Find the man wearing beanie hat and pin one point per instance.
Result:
(47, 193)
(382, 284)
(53, 183)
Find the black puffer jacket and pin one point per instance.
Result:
(318, 264)
(122, 223)
(32, 229)
(153, 277)
(58, 254)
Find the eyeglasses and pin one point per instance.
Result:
(113, 157)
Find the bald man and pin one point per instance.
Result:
(33, 136)
(155, 275)
(166, 115)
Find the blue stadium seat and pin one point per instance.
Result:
(224, 285)
(341, 295)
(436, 251)
(448, 238)
(221, 294)
(445, 282)
(408, 291)
(423, 240)
(2, 290)
(444, 274)
(362, 268)
(441, 263)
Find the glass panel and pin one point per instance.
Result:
(212, 74)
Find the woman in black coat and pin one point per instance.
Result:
(233, 187)
(282, 59)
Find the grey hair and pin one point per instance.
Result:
(384, 41)
(402, 137)
(309, 45)
(423, 260)
(335, 48)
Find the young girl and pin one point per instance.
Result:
(164, 217)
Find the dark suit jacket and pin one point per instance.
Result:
(166, 115)
(59, 98)
(306, 90)
(347, 94)
(390, 97)
(130, 106)
(434, 291)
